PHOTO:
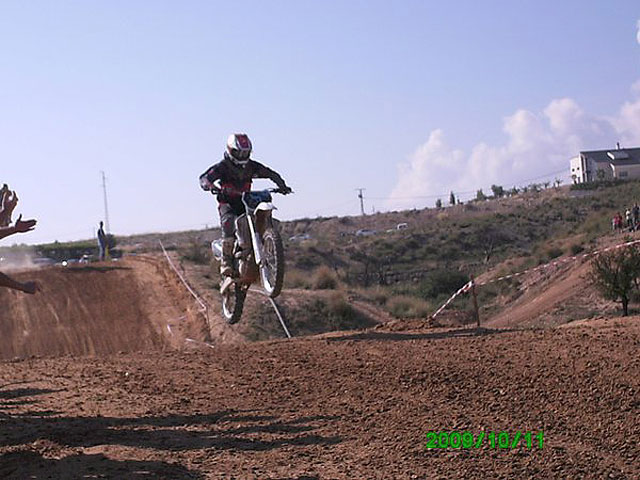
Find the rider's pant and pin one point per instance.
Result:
(228, 214)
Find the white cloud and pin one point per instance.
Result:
(638, 32)
(537, 143)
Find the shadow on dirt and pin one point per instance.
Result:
(101, 269)
(399, 336)
(34, 465)
(45, 442)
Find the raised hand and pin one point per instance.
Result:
(24, 225)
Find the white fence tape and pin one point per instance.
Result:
(191, 291)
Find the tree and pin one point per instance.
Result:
(452, 199)
(438, 203)
(616, 273)
(498, 191)
(515, 191)
(558, 181)
(546, 185)
(480, 195)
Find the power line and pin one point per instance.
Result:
(440, 195)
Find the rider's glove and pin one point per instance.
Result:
(205, 184)
(285, 190)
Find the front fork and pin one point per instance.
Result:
(257, 224)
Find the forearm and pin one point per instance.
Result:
(8, 282)
(274, 177)
(6, 231)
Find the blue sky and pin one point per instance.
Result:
(407, 99)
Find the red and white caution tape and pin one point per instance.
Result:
(462, 289)
(561, 261)
(555, 263)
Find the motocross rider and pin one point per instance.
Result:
(235, 173)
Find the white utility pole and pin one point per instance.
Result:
(106, 208)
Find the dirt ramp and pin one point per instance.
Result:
(94, 309)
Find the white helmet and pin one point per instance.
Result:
(239, 148)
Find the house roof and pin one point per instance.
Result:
(613, 156)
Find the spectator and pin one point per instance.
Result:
(635, 213)
(102, 242)
(20, 226)
(627, 216)
(617, 221)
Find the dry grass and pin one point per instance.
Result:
(403, 306)
(324, 279)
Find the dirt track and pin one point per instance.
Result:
(342, 407)
(114, 398)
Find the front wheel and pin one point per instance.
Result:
(272, 270)
(233, 303)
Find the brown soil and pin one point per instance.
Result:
(101, 308)
(113, 398)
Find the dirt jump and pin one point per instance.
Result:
(94, 385)
(96, 309)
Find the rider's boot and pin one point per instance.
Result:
(226, 265)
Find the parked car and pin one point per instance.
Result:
(300, 237)
(365, 232)
(43, 261)
(402, 226)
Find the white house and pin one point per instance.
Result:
(618, 163)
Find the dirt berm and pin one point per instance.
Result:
(96, 309)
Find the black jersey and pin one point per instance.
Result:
(235, 180)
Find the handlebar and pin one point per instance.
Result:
(216, 190)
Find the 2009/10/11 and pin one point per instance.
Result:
(468, 440)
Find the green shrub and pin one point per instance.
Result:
(576, 248)
(554, 252)
(443, 281)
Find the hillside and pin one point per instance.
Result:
(409, 273)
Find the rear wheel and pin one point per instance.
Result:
(233, 303)
(272, 270)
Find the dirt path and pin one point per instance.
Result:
(530, 309)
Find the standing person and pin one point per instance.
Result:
(618, 221)
(235, 173)
(635, 213)
(21, 226)
(102, 242)
(627, 216)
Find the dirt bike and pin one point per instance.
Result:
(258, 254)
